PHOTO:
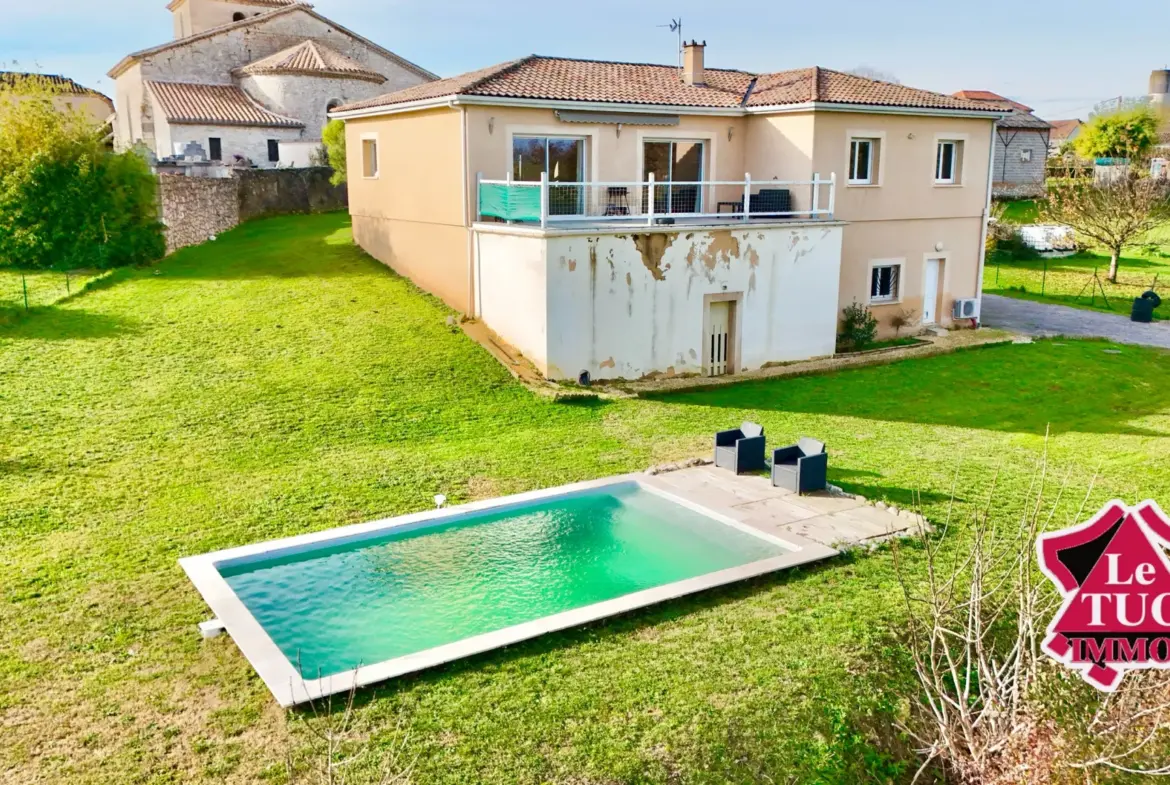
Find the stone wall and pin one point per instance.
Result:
(196, 208)
(283, 191)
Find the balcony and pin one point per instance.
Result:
(708, 202)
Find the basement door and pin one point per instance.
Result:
(719, 316)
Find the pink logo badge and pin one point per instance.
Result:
(1114, 576)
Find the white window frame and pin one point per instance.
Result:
(855, 146)
(962, 143)
(377, 163)
(877, 152)
(955, 146)
(899, 282)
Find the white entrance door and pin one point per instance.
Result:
(718, 338)
(930, 292)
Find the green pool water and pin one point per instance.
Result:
(343, 606)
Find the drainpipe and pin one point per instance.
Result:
(467, 214)
(986, 217)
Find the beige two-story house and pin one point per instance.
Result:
(624, 220)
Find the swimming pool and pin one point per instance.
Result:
(319, 613)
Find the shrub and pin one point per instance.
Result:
(65, 200)
(903, 319)
(334, 138)
(858, 328)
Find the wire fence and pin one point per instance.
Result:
(1076, 285)
(23, 290)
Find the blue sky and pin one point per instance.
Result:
(1027, 51)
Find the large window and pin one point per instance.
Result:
(563, 158)
(863, 161)
(679, 164)
(883, 283)
(946, 162)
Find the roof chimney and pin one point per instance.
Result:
(693, 63)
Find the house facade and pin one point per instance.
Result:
(630, 220)
(66, 93)
(248, 81)
(1022, 144)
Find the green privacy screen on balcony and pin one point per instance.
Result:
(510, 202)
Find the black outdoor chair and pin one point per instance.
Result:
(741, 450)
(802, 467)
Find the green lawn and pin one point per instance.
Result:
(1068, 280)
(278, 381)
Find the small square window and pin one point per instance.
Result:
(862, 157)
(215, 148)
(1025, 155)
(369, 157)
(273, 150)
(883, 283)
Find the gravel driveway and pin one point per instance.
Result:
(1031, 318)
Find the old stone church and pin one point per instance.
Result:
(249, 81)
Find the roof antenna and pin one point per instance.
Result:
(676, 27)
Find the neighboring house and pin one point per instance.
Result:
(249, 78)
(66, 93)
(1021, 147)
(1062, 131)
(532, 195)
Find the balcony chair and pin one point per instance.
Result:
(741, 450)
(801, 468)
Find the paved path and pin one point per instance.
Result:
(1032, 318)
(818, 523)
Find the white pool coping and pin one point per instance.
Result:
(290, 689)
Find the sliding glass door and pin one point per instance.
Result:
(674, 162)
(563, 158)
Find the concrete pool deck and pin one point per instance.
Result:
(815, 521)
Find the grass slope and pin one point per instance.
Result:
(279, 381)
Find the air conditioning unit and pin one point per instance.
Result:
(965, 309)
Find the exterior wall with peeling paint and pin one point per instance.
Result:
(623, 305)
(411, 216)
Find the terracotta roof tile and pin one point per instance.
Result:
(1062, 128)
(987, 95)
(54, 82)
(312, 59)
(214, 104)
(554, 78)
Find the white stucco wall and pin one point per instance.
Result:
(252, 143)
(512, 291)
(623, 305)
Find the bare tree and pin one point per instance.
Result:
(1117, 214)
(985, 712)
(337, 754)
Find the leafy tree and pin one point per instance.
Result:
(1130, 133)
(333, 136)
(1116, 215)
(65, 200)
(868, 72)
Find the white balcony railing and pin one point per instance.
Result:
(652, 202)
